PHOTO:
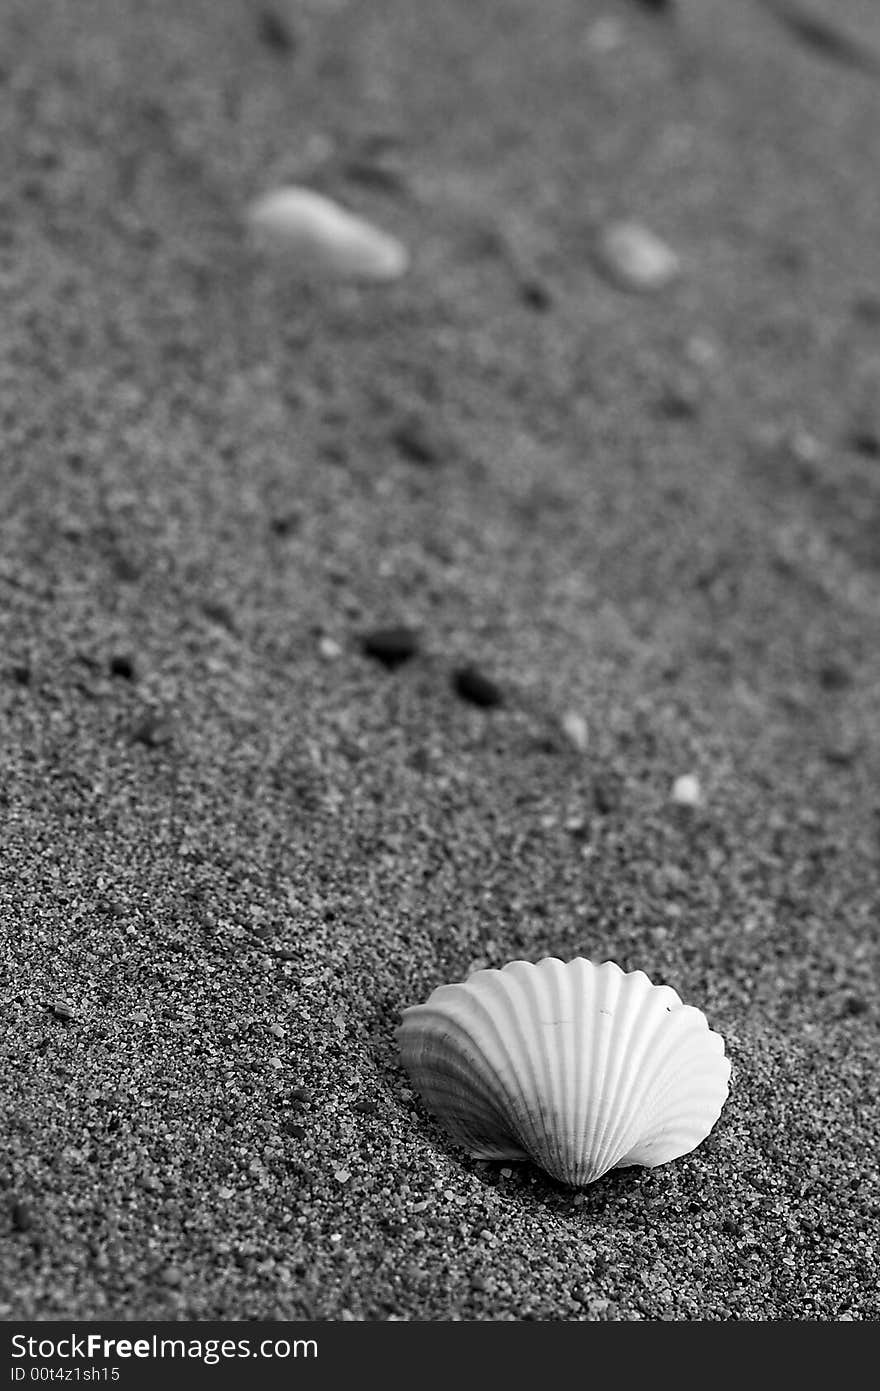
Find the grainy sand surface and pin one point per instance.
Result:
(233, 846)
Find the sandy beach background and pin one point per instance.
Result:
(233, 844)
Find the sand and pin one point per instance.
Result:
(234, 844)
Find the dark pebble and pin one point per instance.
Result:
(125, 567)
(274, 32)
(62, 1009)
(22, 1217)
(843, 755)
(20, 673)
(476, 688)
(679, 401)
(366, 1108)
(152, 729)
(866, 307)
(535, 293)
(296, 1132)
(854, 1006)
(122, 665)
(334, 451)
(391, 646)
(219, 613)
(865, 441)
(285, 524)
(478, 1284)
(834, 677)
(375, 174)
(300, 1096)
(606, 795)
(415, 441)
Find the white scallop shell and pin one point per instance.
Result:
(318, 235)
(579, 1067)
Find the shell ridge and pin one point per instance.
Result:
(653, 1009)
(557, 1134)
(470, 1054)
(672, 1063)
(601, 1008)
(706, 1077)
(520, 1087)
(624, 1007)
(586, 981)
(687, 1044)
(536, 1132)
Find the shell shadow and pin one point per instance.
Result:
(524, 1182)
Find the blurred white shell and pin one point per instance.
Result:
(318, 235)
(579, 1067)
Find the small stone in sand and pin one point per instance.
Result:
(329, 648)
(391, 646)
(536, 293)
(575, 729)
(604, 35)
(476, 688)
(686, 791)
(635, 259)
(416, 441)
(122, 665)
(274, 32)
(313, 234)
(366, 1108)
(22, 1217)
(342, 1175)
(152, 729)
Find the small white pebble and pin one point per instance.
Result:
(637, 259)
(329, 648)
(604, 35)
(701, 351)
(507, 1173)
(342, 1175)
(686, 791)
(336, 1236)
(315, 234)
(804, 446)
(575, 729)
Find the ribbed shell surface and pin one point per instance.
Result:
(580, 1067)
